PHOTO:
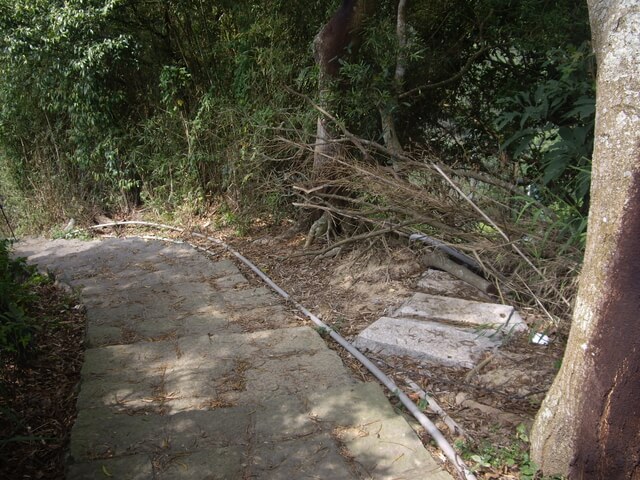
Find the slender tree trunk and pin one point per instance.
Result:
(389, 134)
(589, 424)
(336, 39)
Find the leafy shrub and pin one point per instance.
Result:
(16, 327)
(550, 129)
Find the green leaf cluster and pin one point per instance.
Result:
(550, 129)
(16, 327)
(162, 102)
(513, 457)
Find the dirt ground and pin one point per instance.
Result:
(495, 404)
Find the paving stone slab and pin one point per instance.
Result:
(196, 293)
(138, 359)
(263, 318)
(133, 467)
(140, 286)
(126, 311)
(250, 298)
(208, 323)
(195, 430)
(167, 390)
(199, 370)
(103, 433)
(382, 442)
(225, 463)
(437, 282)
(353, 405)
(295, 375)
(433, 307)
(102, 335)
(264, 343)
(127, 395)
(311, 457)
(427, 341)
(282, 419)
(230, 282)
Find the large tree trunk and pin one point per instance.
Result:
(589, 424)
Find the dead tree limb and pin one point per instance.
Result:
(441, 262)
(355, 238)
(432, 405)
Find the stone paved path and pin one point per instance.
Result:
(192, 373)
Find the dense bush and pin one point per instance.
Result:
(16, 327)
(178, 105)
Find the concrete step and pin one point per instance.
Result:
(442, 330)
(173, 390)
(437, 282)
(200, 371)
(384, 444)
(346, 432)
(503, 318)
(427, 341)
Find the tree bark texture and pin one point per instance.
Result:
(389, 134)
(588, 426)
(334, 41)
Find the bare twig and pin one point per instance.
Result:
(484, 178)
(475, 370)
(308, 191)
(355, 238)
(451, 424)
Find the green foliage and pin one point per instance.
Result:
(76, 233)
(323, 332)
(550, 129)
(16, 328)
(512, 457)
(116, 103)
(177, 105)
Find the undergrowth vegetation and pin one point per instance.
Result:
(197, 108)
(41, 332)
(16, 327)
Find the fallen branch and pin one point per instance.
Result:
(441, 262)
(485, 178)
(355, 238)
(475, 370)
(430, 86)
(436, 408)
(421, 237)
(311, 190)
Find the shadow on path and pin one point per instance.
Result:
(190, 372)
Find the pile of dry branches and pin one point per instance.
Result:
(366, 192)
